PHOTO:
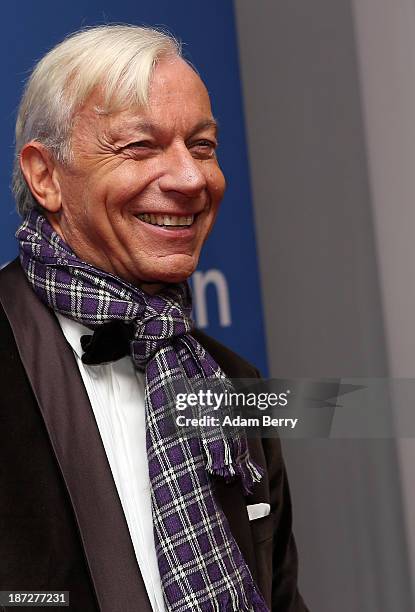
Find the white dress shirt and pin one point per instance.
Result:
(116, 393)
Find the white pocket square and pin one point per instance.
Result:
(256, 511)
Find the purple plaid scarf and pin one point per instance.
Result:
(201, 566)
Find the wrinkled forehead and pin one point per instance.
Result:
(178, 99)
(171, 78)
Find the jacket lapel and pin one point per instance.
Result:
(74, 436)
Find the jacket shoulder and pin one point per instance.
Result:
(231, 363)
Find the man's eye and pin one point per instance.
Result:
(139, 144)
(206, 143)
(204, 147)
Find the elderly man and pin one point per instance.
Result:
(117, 180)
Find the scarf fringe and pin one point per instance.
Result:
(254, 602)
(250, 473)
(220, 463)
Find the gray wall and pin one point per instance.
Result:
(321, 292)
(386, 45)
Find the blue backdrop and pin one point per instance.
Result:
(226, 285)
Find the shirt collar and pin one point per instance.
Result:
(72, 330)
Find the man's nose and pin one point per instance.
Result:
(183, 173)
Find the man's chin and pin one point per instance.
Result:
(176, 270)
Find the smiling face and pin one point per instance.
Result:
(143, 189)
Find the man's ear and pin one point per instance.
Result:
(39, 170)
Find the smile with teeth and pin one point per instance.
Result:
(169, 221)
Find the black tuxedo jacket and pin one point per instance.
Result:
(61, 522)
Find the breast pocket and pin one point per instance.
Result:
(262, 528)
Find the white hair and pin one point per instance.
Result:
(121, 58)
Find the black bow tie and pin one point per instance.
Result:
(109, 342)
